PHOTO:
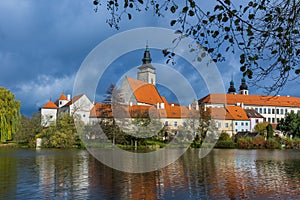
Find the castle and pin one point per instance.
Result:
(233, 112)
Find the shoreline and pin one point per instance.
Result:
(8, 145)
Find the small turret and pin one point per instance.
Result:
(244, 87)
(231, 89)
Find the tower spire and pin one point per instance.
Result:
(146, 72)
(147, 57)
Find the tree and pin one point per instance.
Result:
(109, 94)
(28, 129)
(207, 126)
(290, 125)
(261, 127)
(60, 135)
(264, 33)
(270, 131)
(112, 95)
(9, 114)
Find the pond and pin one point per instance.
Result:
(223, 174)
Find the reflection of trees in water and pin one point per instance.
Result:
(8, 175)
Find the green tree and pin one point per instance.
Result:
(9, 114)
(259, 31)
(270, 131)
(261, 127)
(28, 129)
(290, 125)
(60, 135)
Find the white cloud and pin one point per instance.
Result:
(36, 93)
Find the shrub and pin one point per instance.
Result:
(259, 142)
(296, 143)
(272, 143)
(225, 144)
(288, 143)
(245, 143)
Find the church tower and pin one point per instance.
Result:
(244, 87)
(146, 72)
(231, 89)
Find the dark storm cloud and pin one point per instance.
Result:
(43, 44)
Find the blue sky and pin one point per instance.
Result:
(43, 44)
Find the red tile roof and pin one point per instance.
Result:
(50, 105)
(144, 92)
(228, 113)
(255, 100)
(101, 110)
(219, 113)
(238, 113)
(62, 97)
(123, 111)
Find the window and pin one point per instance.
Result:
(51, 116)
(285, 111)
(60, 102)
(236, 123)
(242, 123)
(273, 111)
(166, 123)
(246, 123)
(277, 111)
(256, 109)
(236, 130)
(273, 120)
(242, 130)
(269, 110)
(226, 125)
(281, 111)
(260, 110)
(278, 120)
(269, 119)
(83, 115)
(175, 123)
(265, 111)
(256, 121)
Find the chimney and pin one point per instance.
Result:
(197, 107)
(172, 104)
(157, 106)
(69, 97)
(162, 105)
(190, 107)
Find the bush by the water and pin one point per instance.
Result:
(272, 143)
(225, 141)
(245, 143)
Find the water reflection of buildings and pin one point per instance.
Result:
(61, 176)
(233, 174)
(151, 185)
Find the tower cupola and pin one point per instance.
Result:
(244, 87)
(146, 72)
(231, 89)
(147, 57)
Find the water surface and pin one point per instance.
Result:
(223, 174)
